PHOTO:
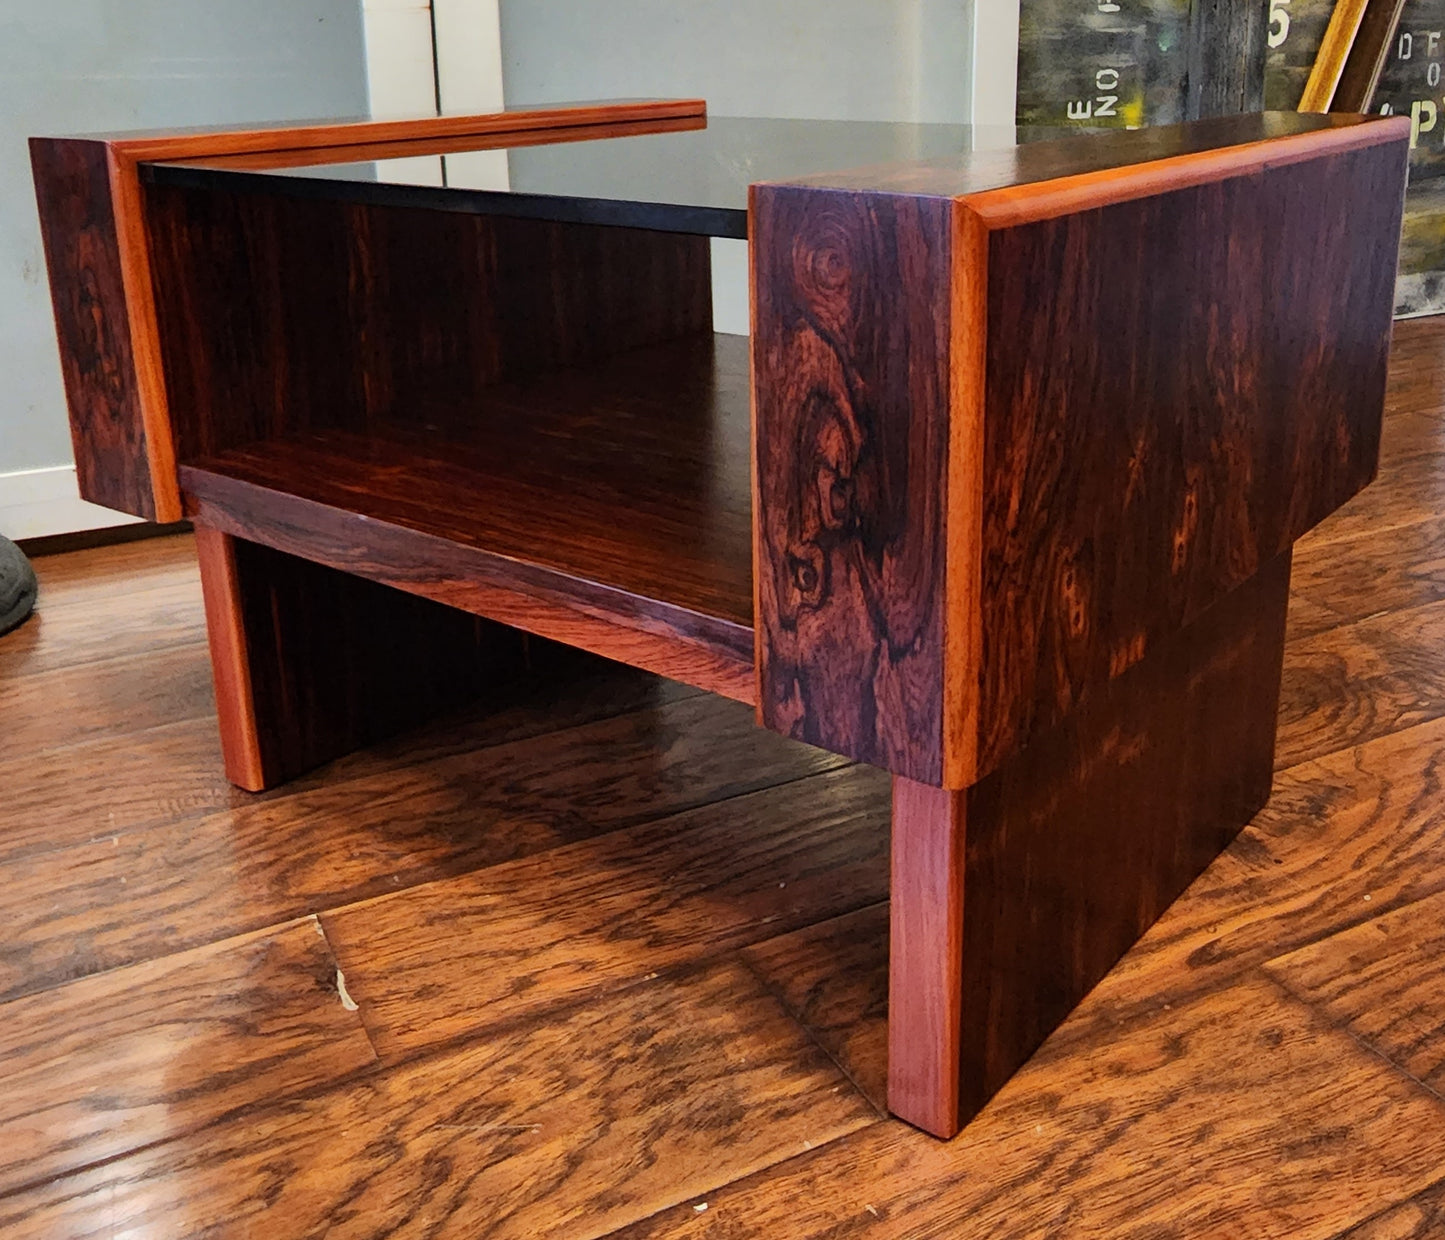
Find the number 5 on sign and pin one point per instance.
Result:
(1278, 22)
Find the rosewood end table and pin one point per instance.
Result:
(1001, 500)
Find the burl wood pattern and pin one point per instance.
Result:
(950, 561)
(1013, 898)
(82, 256)
(311, 663)
(850, 382)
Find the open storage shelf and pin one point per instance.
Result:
(617, 491)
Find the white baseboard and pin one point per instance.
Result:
(35, 503)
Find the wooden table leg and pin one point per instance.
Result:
(1013, 898)
(310, 663)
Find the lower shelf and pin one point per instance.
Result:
(607, 507)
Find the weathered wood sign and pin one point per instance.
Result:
(1130, 63)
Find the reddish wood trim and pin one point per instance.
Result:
(140, 311)
(925, 956)
(230, 660)
(1047, 200)
(760, 549)
(963, 520)
(353, 152)
(349, 133)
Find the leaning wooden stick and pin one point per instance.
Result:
(1352, 56)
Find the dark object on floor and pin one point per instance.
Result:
(17, 586)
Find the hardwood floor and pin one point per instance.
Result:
(604, 959)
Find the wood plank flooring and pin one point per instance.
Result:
(600, 958)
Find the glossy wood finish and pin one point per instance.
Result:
(1012, 899)
(647, 561)
(90, 1069)
(311, 663)
(384, 314)
(1206, 1086)
(1087, 515)
(1176, 155)
(92, 219)
(1035, 569)
(1174, 471)
(83, 258)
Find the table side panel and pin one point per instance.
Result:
(83, 257)
(851, 309)
(1178, 387)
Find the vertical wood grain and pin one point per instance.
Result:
(325, 314)
(925, 1003)
(1147, 452)
(83, 255)
(230, 660)
(851, 383)
(310, 663)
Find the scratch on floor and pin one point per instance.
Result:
(346, 1000)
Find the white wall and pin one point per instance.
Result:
(885, 60)
(905, 60)
(78, 66)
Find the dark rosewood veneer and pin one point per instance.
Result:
(1000, 496)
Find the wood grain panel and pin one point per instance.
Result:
(1378, 980)
(851, 299)
(1066, 855)
(1134, 475)
(649, 558)
(565, 1128)
(311, 663)
(372, 311)
(927, 1005)
(452, 958)
(706, 651)
(83, 258)
(125, 897)
(1241, 1113)
(161, 1049)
